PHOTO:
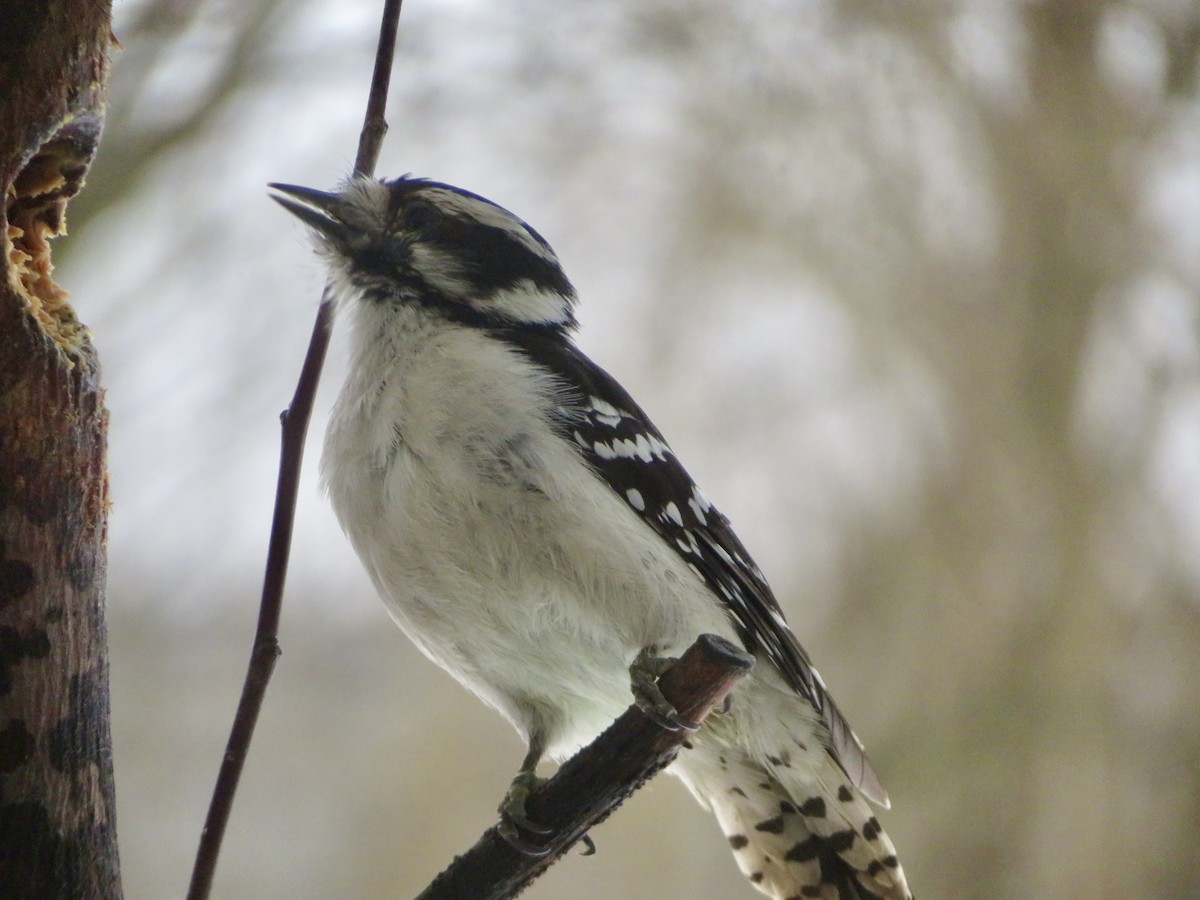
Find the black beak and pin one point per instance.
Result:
(319, 209)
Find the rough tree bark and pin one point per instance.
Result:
(57, 809)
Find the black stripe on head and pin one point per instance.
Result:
(494, 260)
(492, 249)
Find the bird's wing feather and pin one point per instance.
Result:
(629, 454)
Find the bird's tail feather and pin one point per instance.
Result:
(795, 833)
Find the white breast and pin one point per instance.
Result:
(503, 557)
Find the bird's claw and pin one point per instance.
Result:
(512, 808)
(647, 666)
(514, 821)
(512, 836)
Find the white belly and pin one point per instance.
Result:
(504, 559)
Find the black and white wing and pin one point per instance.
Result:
(629, 453)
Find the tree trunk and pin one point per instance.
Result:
(57, 806)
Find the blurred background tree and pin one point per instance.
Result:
(913, 290)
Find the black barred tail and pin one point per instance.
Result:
(795, 832)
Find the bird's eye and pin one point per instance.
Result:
(418, 215)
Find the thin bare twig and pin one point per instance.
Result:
(370, 139)
(294, 422)
(595, 781)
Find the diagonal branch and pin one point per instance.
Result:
(294, 423)
(595, 781)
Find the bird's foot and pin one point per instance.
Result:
(515, 823)
(647, 666)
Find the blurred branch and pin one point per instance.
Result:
(595, 781)
(1182, 59)
(294, 422)
(153, 37)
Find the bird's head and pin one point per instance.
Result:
(418, 242)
